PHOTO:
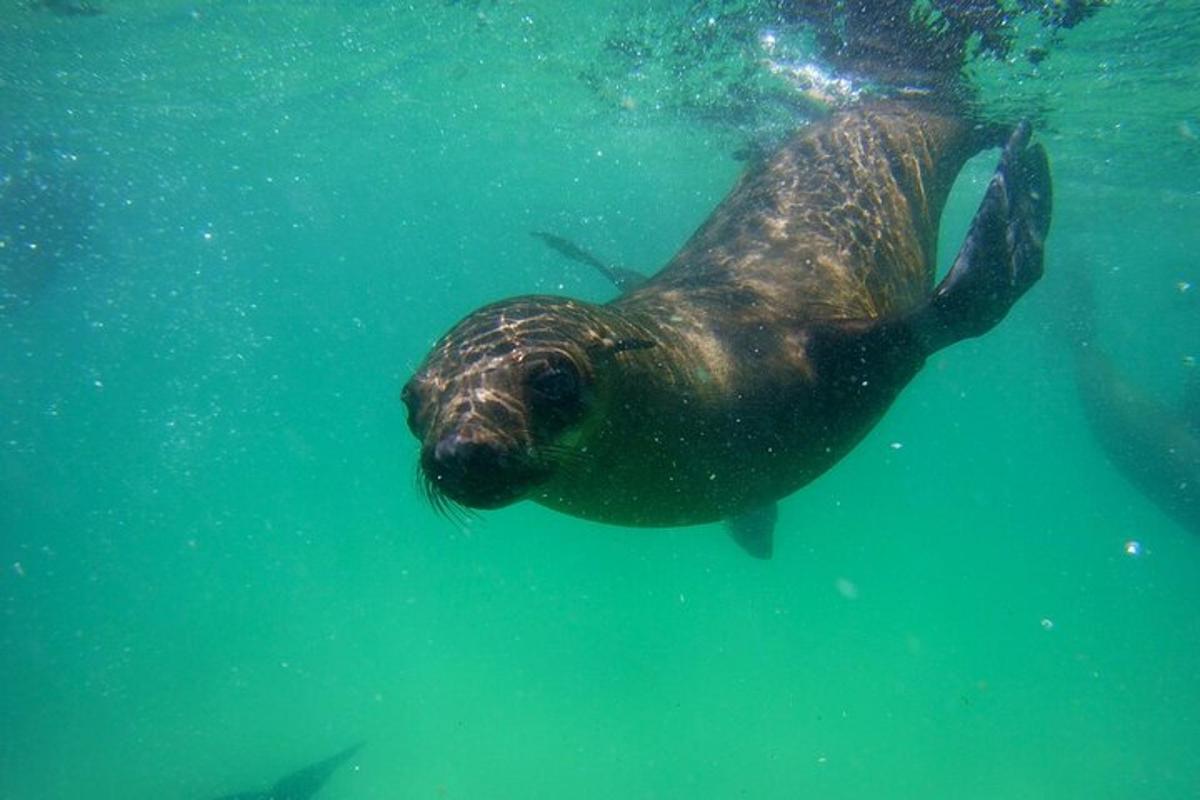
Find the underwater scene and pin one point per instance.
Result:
(274, 524)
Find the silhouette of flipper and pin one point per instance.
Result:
(623, 279)
(302, 784)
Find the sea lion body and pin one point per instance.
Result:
(728, 412)
(1154, 445)
(758, 357)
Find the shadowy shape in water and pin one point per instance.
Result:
(1154, 445)
(302, 784)
(47, 218)
(69, 8)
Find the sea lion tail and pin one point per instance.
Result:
(1002, 255)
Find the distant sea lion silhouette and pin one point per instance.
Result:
(48, 210)
(303, 783)
(70, 8)
(1154, 445)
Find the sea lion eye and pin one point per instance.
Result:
(555, 383)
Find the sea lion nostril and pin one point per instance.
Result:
(477, 473)
(446, 451)
(458, 456)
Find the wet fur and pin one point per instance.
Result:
(733, 406)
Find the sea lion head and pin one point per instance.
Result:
(497, 401)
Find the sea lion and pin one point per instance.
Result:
(762, 352)
(48, 211)
(1153, 444)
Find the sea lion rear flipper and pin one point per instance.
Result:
(754, 530)
(1002, 254)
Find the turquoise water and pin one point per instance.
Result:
(216, 565)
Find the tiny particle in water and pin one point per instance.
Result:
(896, 445)
(18, 569)
(1047, 623)
(1183, 286)
(1133, 548)
(847, 589)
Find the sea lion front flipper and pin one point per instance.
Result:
(1002, 254)
(620, 277)
(754, 530)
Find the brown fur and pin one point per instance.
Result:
(728, 409)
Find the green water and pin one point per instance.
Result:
(215, 563)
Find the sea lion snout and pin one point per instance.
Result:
(497, 401)
(476, 472)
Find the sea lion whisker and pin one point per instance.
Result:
(463, 515)
(560, 454)
(437, 500)
(429, 491)
(418, 477)
(445, 506)
(460, 515)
